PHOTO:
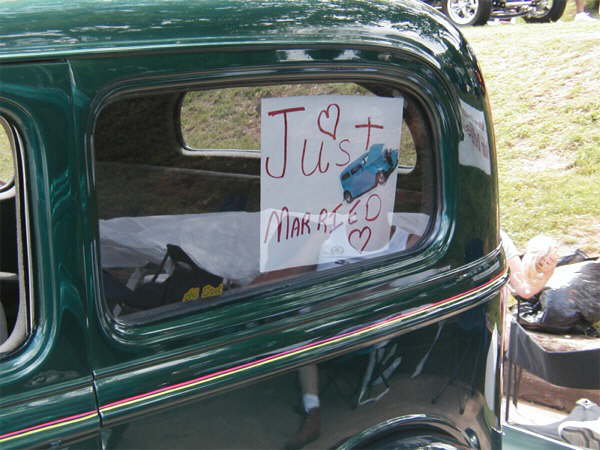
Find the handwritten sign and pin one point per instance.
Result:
(327, 169)
(474, 149)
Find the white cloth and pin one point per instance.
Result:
(509, 247)
(223, 243)
(337, 250)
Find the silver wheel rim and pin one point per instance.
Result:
(462, 12)
(541, 8)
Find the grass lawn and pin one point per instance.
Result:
(544, 88)
(6, 165)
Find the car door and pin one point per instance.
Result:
(361, 178)
(193, 371)
(46, 391)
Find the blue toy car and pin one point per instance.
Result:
(370, 169)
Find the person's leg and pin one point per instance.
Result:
(310, 429)
(580, 14)
(309, 383)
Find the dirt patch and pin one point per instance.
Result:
(535, 390)
(566, 343)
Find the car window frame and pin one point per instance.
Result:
(245, 77)
(17, 189)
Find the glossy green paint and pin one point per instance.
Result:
(189, 360)
(133, 361)
(101, 51)
(49, 377)
(189, 422)
(47, 28)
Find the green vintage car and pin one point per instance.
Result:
(179, 268)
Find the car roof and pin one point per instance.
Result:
(33, 29)
(376, 147)
(354, 163)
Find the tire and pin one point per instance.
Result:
(388, 156)
(348, 197)
(546, 11)
(467, 12)
(413, 439)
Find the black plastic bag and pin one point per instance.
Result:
(186, 282)
(572, 306)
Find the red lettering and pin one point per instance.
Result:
(356, 239)
(352, 215)
(305, 223)
(295, 227)
(372, 218)
(368, 126)
(344, 151)
(280, 219)
(330, 126)
(334, 211)
(285, 139)
(322, 219)
(318, 165)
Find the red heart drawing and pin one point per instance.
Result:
(331, 121)
(359, 238)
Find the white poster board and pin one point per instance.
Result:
(474, 149)
(328, 177)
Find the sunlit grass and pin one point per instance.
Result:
(544, 90)
(235, 113)
(6, 159)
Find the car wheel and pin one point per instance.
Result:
(546, 11)
(388, 156)
(380, 178)
(468, 12)
(348, 197)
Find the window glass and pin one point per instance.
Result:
(253, 185)
(243, 120)
(14, 312)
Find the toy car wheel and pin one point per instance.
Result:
(347, 196)
(467, 12)
(546, 11)
(388, 155)
(380, 178)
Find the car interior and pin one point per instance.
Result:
(179, 200)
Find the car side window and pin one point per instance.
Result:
(254, 184)
(15, 312)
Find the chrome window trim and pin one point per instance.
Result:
(24, 247)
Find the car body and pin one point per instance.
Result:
(101, 102)
(368, 171)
